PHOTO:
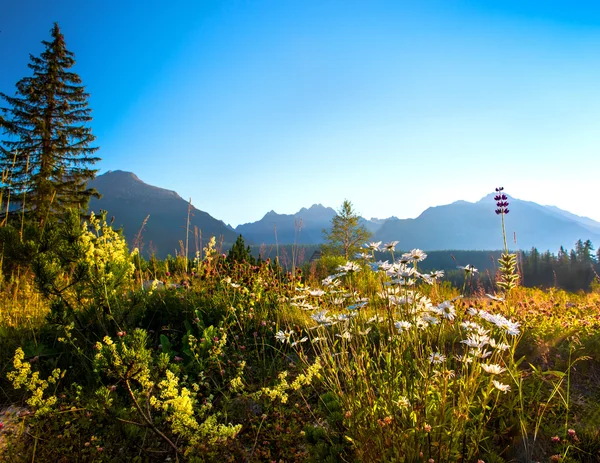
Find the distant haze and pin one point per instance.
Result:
(458, 226)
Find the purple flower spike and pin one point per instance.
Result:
(501, 201)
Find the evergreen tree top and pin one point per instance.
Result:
(47, 150)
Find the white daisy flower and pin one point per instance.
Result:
(316, 292)
(402, 326)
(374, 246)
(349, 267)
(321, 317)
(499, 346)
(437, 274)
(501, 387)
(416, 255)
(468, 268)
(437, 358)
(283, 336)
(390, 246)
(492, 368)
(295, 343)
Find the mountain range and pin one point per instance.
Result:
(130, 201)
(460, 225)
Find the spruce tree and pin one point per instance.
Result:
(347, 234)
(240, 253)
(46, 153)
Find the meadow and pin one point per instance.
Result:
(108, 357)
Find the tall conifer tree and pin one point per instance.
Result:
(46, 150)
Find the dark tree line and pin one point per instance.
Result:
(572, 270)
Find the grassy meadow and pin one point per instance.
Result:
(107, 357)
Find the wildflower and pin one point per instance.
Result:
(468, 268)
(349, 267)
(476, 341)
(416, 255)
(403, 402)
(555, 439)
(501, 387)
(283, 336)
(427, 279)
(427, 427)
(374, 246)
(121, 333)
(177, 359)
(330, 281)
(381, 265)
(316, 292)
(421, 324)
(363, 256)
(375, 319)
(469, 325)
(321, 317)
(345, 335)
(365, 332)
(436, 274)
(495, 298)
(446, 309)
(430, 320)
(295, 343)
(499, 346)
(390, 246)
(437, 358)
(501, 201)
(480, 353)
(402, 326)
(492, 368)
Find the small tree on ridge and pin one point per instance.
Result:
(347, 235)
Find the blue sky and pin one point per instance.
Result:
(258, 105)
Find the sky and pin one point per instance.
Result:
(251, 106)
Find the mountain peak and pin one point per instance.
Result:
(121, 175)
(127, 185)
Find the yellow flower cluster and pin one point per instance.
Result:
(106, 253)
(22, 376)
(279, 391)
(177, 404)
(304, 379)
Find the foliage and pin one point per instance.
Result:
(46, 156)
(233, 361)
(347, 235)
(78, 266)
(240, 253)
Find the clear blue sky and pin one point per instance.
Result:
(401, 105)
